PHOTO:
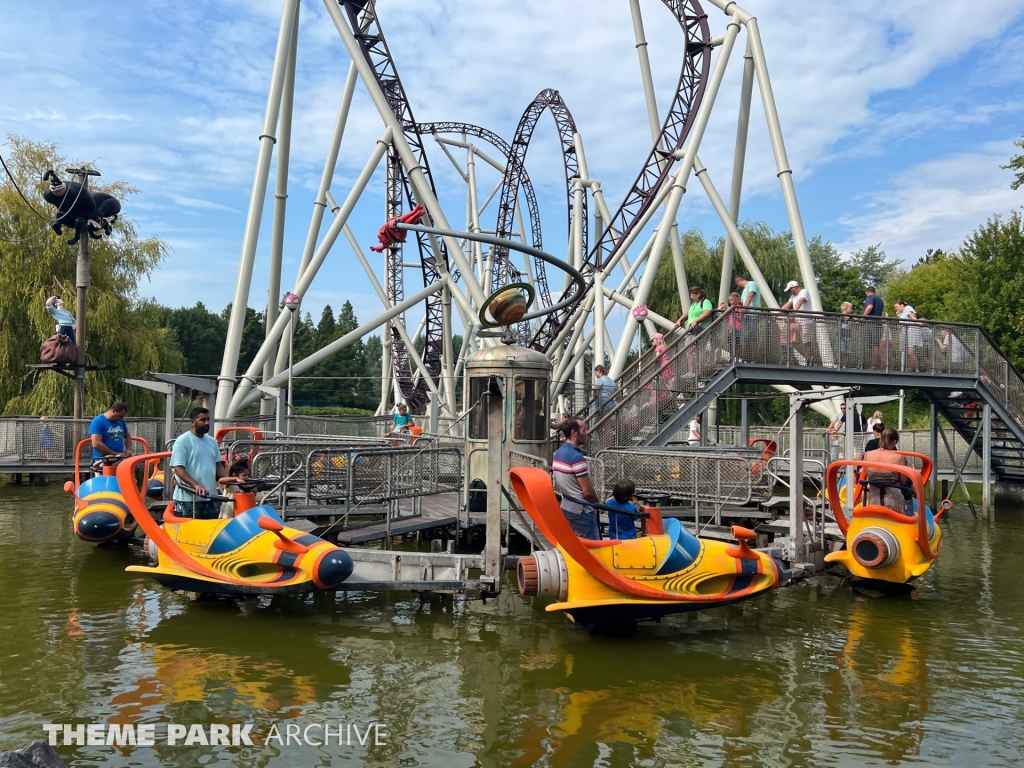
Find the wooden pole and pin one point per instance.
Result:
(82, 285)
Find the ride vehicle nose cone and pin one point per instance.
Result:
(154, 490)
(98, 526)
(334, 568)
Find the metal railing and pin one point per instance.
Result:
(41, 443)
(792, 340)
(699, 475)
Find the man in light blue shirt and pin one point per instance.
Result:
(64, 319)
(750, 295)
(604, 389)
(196, 460)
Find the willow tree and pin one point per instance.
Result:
(123, 328)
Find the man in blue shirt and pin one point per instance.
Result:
(109, 435)
(604, 389)
(196, 460)
(571, 477)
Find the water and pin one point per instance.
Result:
(813, 675)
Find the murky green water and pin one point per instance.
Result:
(812, 675)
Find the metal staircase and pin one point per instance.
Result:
(958, 367)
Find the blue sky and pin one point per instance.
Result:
(896, 115)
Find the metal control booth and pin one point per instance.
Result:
(524, 378)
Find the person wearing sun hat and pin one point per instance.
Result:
(802, 332)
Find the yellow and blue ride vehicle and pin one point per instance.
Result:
(101, 515)
(252, 553)
(666, 570)
(883, 545)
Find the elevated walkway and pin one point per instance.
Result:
(957, 367)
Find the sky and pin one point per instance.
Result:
(896, 116)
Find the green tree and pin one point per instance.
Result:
(874, 267)
(775, 254)
(1016, 165)
(200, 335)
(983, 283)
(124, 330)
(838, 280)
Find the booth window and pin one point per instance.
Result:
(530, 410)
(478, 408)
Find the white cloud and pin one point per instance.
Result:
(936, 204)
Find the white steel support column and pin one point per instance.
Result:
(267, 404)
(385, 375)
(680, 268)
(349, 338)
(734, 235)
(785, 173)
(796, 476)
(986, 462)
(320, 202)
(474, 222)
(447, 352)
(257, 198)
(739, 160)
(599, 331)
(678, 187)
(645, 69)
(578, 198)
(417, 179)
(318, 259)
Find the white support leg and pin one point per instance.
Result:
(267, 404)
(307, 276)
(236, 323)
(739, 160)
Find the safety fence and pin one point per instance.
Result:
(820, 443)
(49, 442)
(40, 443)
(702, 475)
(341, 475)
(658, 387)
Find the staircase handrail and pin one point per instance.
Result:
(680, 349)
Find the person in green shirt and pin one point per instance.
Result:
(697, 319)
(699, 315)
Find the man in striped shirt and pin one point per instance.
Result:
(571, 477)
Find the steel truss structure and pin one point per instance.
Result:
(457, 271)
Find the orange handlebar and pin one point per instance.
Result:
(832, 480)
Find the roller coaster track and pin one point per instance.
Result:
(550, 100)
(362, 15)
(533, 209)
(656, 170)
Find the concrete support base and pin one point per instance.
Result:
(1009, 494)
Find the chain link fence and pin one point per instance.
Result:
(734, 477)
(655, 389)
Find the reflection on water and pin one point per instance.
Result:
(813, 675)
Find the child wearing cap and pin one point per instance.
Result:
(620, 526)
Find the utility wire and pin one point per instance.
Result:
(49, 221)
(15, 183)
